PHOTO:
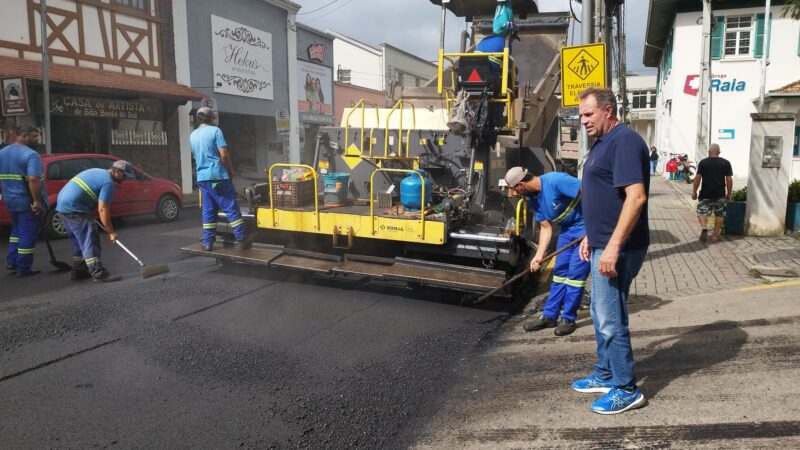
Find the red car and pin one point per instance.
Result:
(143, 195)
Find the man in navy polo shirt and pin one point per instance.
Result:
(615, 186)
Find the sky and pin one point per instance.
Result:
(413, 25)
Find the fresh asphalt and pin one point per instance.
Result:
(208, 356)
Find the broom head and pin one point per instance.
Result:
(151, 271)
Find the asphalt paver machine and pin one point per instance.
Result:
(394, 194)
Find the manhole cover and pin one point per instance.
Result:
(778, 255)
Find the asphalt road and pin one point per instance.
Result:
(218, 357)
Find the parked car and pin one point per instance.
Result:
(145, 194)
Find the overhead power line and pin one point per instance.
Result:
(321, 7)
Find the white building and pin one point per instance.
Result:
(357, 63)
(673, 44)
(642, 104)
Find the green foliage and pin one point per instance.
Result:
(739, 195)
(794, 191)
(791, 9)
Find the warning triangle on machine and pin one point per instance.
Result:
(474, 77)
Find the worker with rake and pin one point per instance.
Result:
(89, 190)
(556, 198)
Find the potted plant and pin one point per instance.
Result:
(793, 206)
(734, 217)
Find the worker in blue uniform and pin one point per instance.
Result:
(214, 178)
(556, 197)
(89, 190)
(25, 198)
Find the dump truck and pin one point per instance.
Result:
(404, 193)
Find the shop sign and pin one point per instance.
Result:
(315, 96)
(643, 115)
(691, 85)
(726, 133)
(582, 67)
(282, 123)
(316, 52)
(75, 105)
(15, 97)
(242, 59)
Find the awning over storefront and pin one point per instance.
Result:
(120, 83)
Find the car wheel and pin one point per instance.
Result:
(168, 208)
(54, 226)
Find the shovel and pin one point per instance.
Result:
(60, 265)
(146, 271)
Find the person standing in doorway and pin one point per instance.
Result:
(653, 160)
(23, 192)
(214, 178)
(715, 176)
(615, 188)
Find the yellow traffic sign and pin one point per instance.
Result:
(582, 67)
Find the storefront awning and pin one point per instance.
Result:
(119, 83)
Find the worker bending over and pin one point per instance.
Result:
(89, 190)
(556, 198)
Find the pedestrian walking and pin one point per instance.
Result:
(90, 190)
(615, 188)
(715, 175)
(556, 198)
(214, 178)
(653, 160)
(25, 198)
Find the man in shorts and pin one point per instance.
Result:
(714, 174)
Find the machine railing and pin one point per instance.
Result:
(316, 193)
(422, 205)
(401, 105)
(362, 103)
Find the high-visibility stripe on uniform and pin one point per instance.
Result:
(25, 251)
(236, 223)
(77, 258)
(10, 177)
(209, 226)
(568, 282)
(92, 260)
(13, 240)
(85, 188)
(568, 210)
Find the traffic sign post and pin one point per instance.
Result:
(582, 67)
(282, 123)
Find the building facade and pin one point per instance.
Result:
(242, 55)
(405, 69)
(739, 30)
(642, 106)
(356, 63)
(111, 76)
(315, 96)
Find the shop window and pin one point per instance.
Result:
(136, 4)
(738, 34)
(68, 168)
(796, 149)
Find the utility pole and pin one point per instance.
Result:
(704, 93)
(587, 35)
(764, 57)
(45, 78)
(622, 69)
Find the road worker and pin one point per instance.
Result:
(556, 198)
(24, 195)
(89, 190)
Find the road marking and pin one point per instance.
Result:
(779, 284)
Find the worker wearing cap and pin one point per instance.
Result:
(214, 178)
(89, 190)
(23, 192)
(556, 198)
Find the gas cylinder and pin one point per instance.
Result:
(411, 190)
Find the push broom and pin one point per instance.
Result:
(147, 271)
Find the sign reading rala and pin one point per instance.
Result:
(692, 85)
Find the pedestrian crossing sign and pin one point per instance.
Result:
(582, 67)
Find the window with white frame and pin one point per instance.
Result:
(738, 34)
(343, 75)
(643, 99)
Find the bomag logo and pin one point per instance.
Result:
(392, 228)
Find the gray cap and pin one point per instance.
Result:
(125, 167)
(515, 175)
(204, 113)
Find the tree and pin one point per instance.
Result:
(791, 9)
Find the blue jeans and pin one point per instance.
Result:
(653, 165)
(609, 311)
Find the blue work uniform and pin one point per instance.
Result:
(18, 161)
(216, 188)
(559, 203)
(76, 203)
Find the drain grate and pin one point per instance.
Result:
(778, 255)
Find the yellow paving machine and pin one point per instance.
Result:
(413, 192)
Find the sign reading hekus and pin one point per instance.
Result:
(582, 67)
(242, 58)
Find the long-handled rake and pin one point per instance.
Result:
(146, 271)
(475, 299)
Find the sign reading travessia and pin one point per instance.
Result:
(582, 67)
(242, 58)
(78, 105)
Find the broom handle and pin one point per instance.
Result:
(525, 272)
(121, 245)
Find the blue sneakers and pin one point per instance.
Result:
(617, 401)
(592, 384)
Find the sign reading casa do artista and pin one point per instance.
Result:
(242, 59)
(96, 107)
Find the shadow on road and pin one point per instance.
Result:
(694, 350)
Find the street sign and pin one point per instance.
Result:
(208, 103)
(582, 67)
(282, 122)
(15, 96)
